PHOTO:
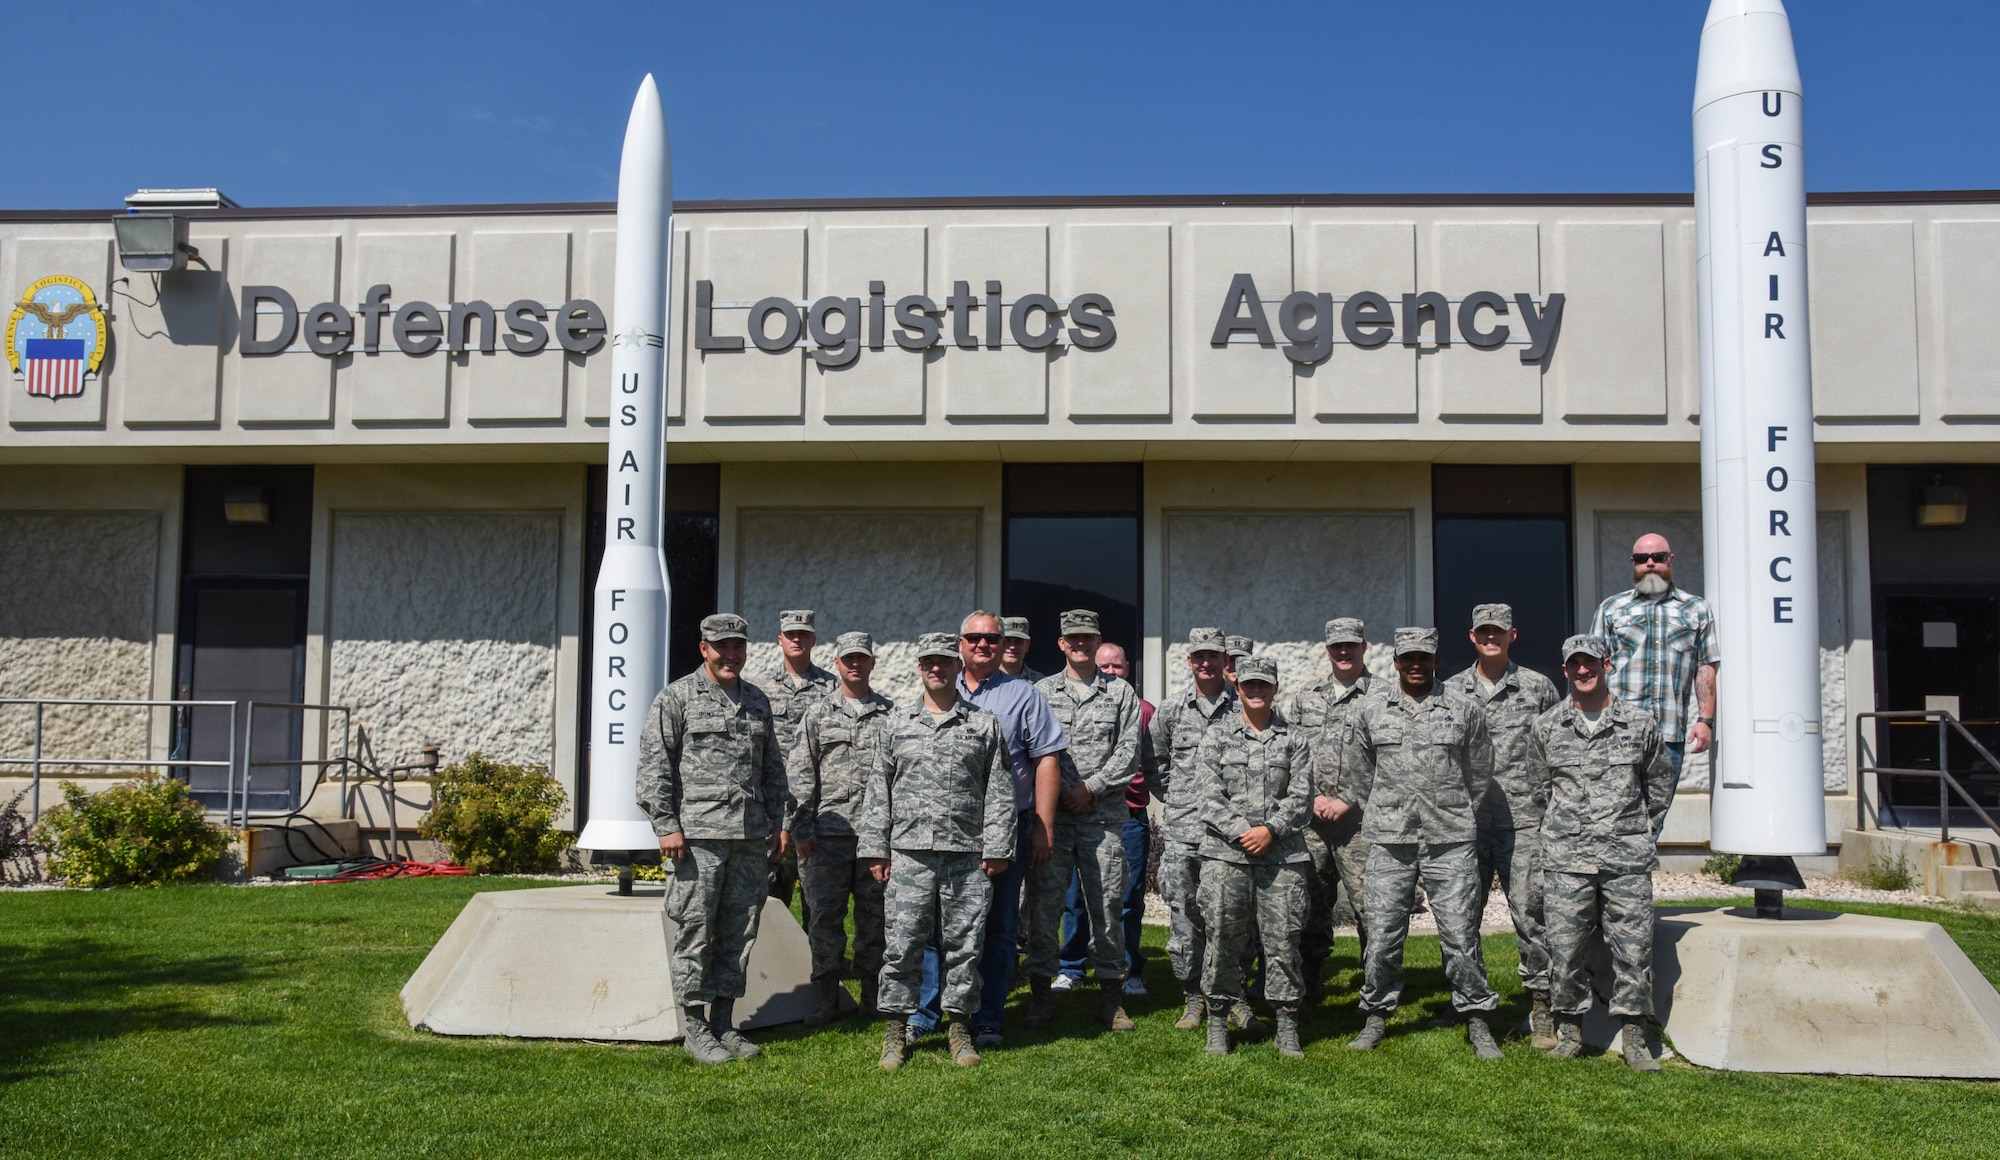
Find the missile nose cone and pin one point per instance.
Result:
(1746, 47)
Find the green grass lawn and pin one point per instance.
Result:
(265, 1023)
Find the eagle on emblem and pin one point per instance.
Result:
(54, 317)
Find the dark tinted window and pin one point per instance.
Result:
(1072, 541)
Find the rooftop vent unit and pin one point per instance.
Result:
(179, 199)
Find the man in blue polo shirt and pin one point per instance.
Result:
(1034, 739)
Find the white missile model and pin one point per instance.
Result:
(1759, 515)
(628, 656)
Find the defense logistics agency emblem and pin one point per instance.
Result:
(55, 336)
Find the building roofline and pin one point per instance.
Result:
(1135, 201)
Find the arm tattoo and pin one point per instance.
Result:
(1704, 689)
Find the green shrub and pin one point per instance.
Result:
(497, 819)
(1880, 875)
(1722, 866)
(145, 833)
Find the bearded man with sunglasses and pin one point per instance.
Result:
(1662, 647)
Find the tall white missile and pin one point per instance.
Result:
(628, 657)
(1759, 515)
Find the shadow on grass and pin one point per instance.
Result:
(92, 991)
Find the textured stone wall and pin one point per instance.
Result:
(76, 621)
(1278, 577)
(1616, 532)
(896, 574)
(443, 628)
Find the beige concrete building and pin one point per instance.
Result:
(351, 456)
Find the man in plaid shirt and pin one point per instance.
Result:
(1662, 640)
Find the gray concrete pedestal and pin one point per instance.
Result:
(1815, 992)
(584, 962)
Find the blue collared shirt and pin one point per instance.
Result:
(1026, 723)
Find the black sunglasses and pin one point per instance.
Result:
(1655, 557)
(981, 637)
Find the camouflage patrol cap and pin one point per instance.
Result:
(1583, 642)
(1346, 630)
(1416, 640)
(1080, 622)
(1207, 640)
(724, 626)
(937, 644)
(1257, 669)
(850, 643)
(1015, 627)
(1497, 615)
(1237, 646)
(796, 620)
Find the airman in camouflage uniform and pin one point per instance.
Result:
(938, 823)
(794, 688)
(1100, 715)
(1015, 637)
(1256, 779)
(1322, 712)
(836, 748)
(712, 779)
(1509, 818)
(1177, 731)
(1420, 760)
(1601, 773)
(1235, 648)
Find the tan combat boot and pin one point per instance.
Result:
(1638, 1051)
(895, 1042)
(1288, 1033)
(1193, 1009)
(1218, 1030)
(1569, 1038)
(1541, 1025)
(829, 1002)
(722, 1021)
(1243, 1017)
(1041, 1003)
(1371, 1035)
(959, 1035)
(1111, 1008)
(697, 1040)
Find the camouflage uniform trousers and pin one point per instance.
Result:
(715, 895)
(1095, 852)
(1245, 903)
(1339, 867)
(1187, 938)
(941, 895)
(1450, 871)
(830, 877)
(1511, 854)
(1620, 904)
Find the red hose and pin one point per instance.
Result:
(374, 871)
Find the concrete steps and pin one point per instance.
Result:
(1966, 868)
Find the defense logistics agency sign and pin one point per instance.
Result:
(55, 336)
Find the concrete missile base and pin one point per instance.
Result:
(582, 962)
(1814, 993)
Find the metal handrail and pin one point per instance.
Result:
(249, 762)
(1947, 784)
(39, 759)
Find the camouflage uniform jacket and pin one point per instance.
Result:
(830, 760)
(709, 766)
(1605, 791)
(1103, 732)
(1517, 700)
(1178, 727)
(1324, 712)
(940, 786)
(1250, 779)
(1418, 768)
(791, 696)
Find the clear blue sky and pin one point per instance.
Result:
(428, 102)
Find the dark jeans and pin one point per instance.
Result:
(996, 965)
(1075, 953)
(1676, 753)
